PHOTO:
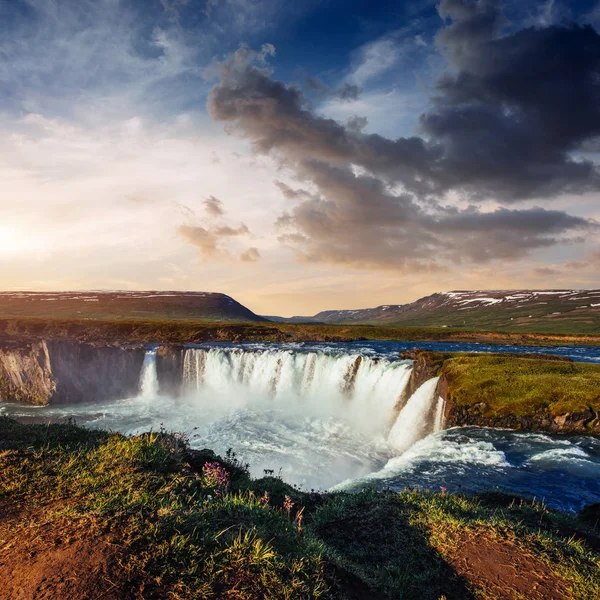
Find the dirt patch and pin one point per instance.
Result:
(504, 570)
(48, 561)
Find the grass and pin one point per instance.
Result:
(124, 331)
(521, 386)
(178, 537)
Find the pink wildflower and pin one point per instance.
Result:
(215, 476)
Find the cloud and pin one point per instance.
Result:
(202, 238)
(368, 201)
(356, 124)
(250, 255)
(502, 125)
(504, 117)
(355, 220)
(226, 231)
(347, 92)
(214, 207)
(374, 59)
(545, 272)
(209, 240)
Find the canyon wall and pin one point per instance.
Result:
(63, 372)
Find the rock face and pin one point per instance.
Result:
(431, 364)
(26, 375)
(426, 365)
(586, 421)
(169, 370)
(63, 372)
(87, 373)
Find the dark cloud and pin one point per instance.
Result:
(250, 255)
(356, 220)
(290, 193)
(356, 124)
(214, 207)
(501, 126)
(278, 120)
(516, 106)
(348, 92)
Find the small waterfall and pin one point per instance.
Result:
(362, 390)
(439, 421)
(415, 420)
(149, 376)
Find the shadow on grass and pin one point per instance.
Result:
(373, 545)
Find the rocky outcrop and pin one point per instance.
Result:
(25, 374)
(169, 370)
(479, 413)
(426, 365)
(587, 421)
(88, 373)
(63, 372)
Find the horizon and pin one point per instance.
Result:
(304, 158)
(281, 314)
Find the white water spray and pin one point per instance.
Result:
(361, 390)
(149, 376)
(415, 420)
(320, 416)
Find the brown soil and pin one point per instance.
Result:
(505, 570)
(40, 562)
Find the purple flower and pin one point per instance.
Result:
(215, 476)
(288, 504)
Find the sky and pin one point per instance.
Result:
(300, 156)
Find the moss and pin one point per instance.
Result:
(498, 385)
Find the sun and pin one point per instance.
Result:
(13, 242)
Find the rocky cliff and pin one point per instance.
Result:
(63, 372)
(25, 374)
(169, 369)
(514, 391)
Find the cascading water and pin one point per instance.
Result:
(362, 390)
(149, 376)
(415, 420)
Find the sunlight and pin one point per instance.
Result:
(14, 242)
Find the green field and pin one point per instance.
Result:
(522, 386)
(169, 331)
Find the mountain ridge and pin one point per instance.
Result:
(544, 310)
(123, 304)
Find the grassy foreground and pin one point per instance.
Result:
(88, 514)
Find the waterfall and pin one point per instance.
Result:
(149, 376)
(415, 420)
(362, 390)
(438, 423)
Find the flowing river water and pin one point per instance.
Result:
(326, 416)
